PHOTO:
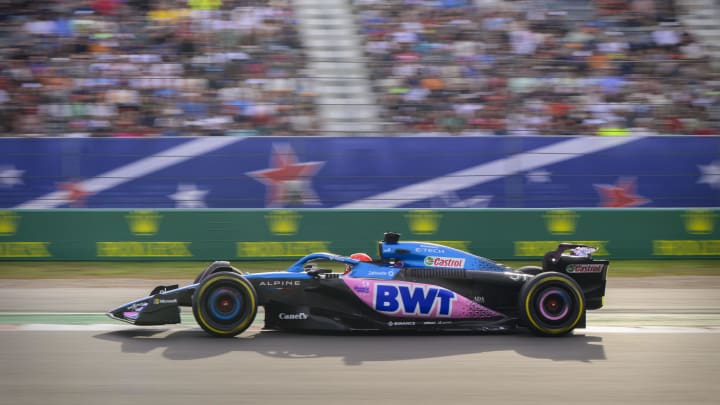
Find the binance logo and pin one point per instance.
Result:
(8, 223)
(144, 223)
(423, 222)
(561, 222)
(699, 222)
(283, 222)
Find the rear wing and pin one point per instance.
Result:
(576, 261)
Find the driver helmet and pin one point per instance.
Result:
(363, 257)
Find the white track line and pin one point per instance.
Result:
(660, 330)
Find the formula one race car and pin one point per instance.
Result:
(411, 286)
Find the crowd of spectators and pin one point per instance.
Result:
(608, 67)
(237, 67)
(152, 68)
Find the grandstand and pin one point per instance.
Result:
(359, 67)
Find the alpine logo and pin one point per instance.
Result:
(413, 300)
(444, 262)
(280, 283)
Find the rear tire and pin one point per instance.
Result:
(224, 304)
(551, 304)
(532, 270)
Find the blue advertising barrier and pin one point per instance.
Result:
(360, 172)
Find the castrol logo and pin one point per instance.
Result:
(585, 268)
(434, 261)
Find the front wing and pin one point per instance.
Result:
(161, 307)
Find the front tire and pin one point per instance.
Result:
(213, 268)
(224, 304)
(551, 304)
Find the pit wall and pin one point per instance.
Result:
(252, 234)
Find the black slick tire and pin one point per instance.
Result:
(551, 304)
(224, 304)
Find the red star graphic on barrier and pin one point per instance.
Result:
(287, 180)
(619, 195)
(74, 193)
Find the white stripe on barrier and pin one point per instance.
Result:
(490, 171)
(134, 170)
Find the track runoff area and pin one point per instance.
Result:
(639, 306)
(627, 310)
(677, 304)
(646, 346)
(669, 305)
(604, 323)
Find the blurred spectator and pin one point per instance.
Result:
(608, 67)
(237, 67)
(149, 68)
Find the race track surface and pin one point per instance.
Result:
(652, 344)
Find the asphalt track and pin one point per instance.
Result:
(647, 346)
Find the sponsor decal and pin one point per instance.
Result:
(143, 249)
(137, 307)
(417, 300)
(279, 283)
(389, 273)
(430, 323)
(162, 301)
(401, 323)
(283, 222)
(697, 222)
(363, 288)
(561, 222)
(686, 247)
(8, 223)
(144, 223)
(423, 222)
(280, 249)
(585, 268)
(450, 262)
(518, 276)
(24, 249)
(433, 250)
(300, 316)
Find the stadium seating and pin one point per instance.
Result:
(563, 67)
(147, 68)
(372, 67)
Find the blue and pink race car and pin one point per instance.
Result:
(418, 286)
